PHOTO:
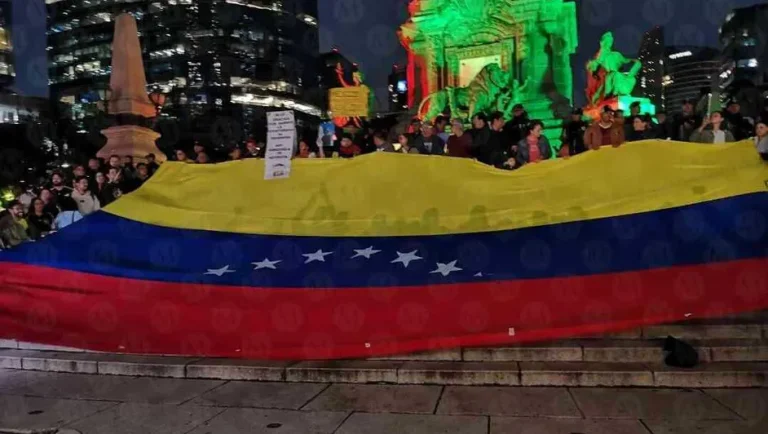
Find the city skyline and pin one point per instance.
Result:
(365, 31)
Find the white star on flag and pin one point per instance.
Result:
(365, 253)
(218, 272)
(317, 256)
(406, 258)
(266, 263)
(446, 269)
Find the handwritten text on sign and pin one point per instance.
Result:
(349, 102)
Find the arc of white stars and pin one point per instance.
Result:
(218, 272)
(446, 269)
(318, 256)
(407, 258)
(365, 253)
(266, 263)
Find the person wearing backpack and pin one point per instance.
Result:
(87, 202)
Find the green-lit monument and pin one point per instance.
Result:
(486, 55)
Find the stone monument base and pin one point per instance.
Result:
(131, 140)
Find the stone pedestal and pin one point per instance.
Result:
(131, 140)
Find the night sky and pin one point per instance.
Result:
(364, 31)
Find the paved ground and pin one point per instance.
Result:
(124, 405)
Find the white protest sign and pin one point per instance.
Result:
(281, 140)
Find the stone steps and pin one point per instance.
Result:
(570, 373)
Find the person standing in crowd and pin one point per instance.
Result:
(738, 124)
(49, 199)
(428, 143)
(68, 215)
(87, 202)
(251, 149)
(152, 165)
(27, 196)
(202, 158)
(634, 112)
(101, 183)
(660, 130)
(142, 174)
(761, 139)
(197, 148)
(305, 151)
(62, 193)
(114, 161)
(39, 222)
(235, 154)
(182, 157)
(573, 133)
(514, 130)
(712, 131)
(618, 118)
(116, 186)
(481, 139)
(534, 147)
(405, 144)
(605, 132)
(94, 166)
(348, 148)
(685, 123)
(639, 129)
(459, 143)
(381, 143)
(78, 171)
(13, 226)
(441, 122)
(415, 128)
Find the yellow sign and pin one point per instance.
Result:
(349, 102)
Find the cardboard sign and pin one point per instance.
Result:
(349, 101)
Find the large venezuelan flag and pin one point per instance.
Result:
(390, 253)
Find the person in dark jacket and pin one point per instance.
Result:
(740, 126)
(39, 222)
(483, 141)
(116, 187)
(660, 130)
(685, 123)
(639, 129)
(573, 133)
(515, 129)
(429, 143)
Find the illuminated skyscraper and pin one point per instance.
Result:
(398, 89)
(7, 70)
(233, 58)
(651, 55)
(744, 37)
(689, 73)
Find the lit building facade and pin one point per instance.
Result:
(212, 58)
(7, 69)
(398, 89)
(687, 72)
(744, 37)
(651, 55)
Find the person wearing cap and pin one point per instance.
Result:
(515, 129)
(605, 132)
(428, 143)
(711, 131)
(741, 126)
(685, 123)
(573, 133)
(459, 143)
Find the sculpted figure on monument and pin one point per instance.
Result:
(483, 94)
(605, 78)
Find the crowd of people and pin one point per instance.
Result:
(493, 140)
(67, 197)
